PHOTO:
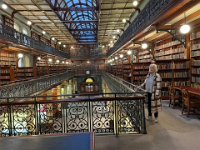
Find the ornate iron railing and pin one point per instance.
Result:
(152, 11)
(32, 86)
(10, 34)
(104, 114)
(117, 84)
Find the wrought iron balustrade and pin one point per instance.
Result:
(10, 34)
(117, 84)
(32, 86)
(103, 114)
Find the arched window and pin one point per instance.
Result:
(89, 81)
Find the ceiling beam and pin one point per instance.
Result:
(82, 29)
(121, 8)
(75, 9)
(80, 21)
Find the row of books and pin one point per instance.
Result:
(184, 74)
(166, 75)
(196, 63)
(141, 66)
(7, 63)
(182, 83)
(139, 73)
(170, 51)
(24, 70)
(196, 79)
(172, 43)
(170, 57)
(146, 60)
(7, 55)
(4, 71)
(196, 71)
(195, 53)
(182, 65)
(7, 59)
(195, 35)
(196, 46)
(4, 77)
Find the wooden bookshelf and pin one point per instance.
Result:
(24, 73)
(6, 75)
(42, 70)
(145, 56)
(7, 58)
(195, 58)
(173, 72)
(169, 49)
(139, 72)
(127, 72)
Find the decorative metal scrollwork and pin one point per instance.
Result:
(23, 120)
(50, 118)
(103, 117)
(4, 121)
(77, 117)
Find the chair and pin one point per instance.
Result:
(189, 102)
(172, 96)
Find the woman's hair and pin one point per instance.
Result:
(155, 67)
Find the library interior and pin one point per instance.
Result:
(72, 74)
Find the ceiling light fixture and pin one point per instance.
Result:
(39, 58)
(50, 60)
(53, 38)
(129, 52)
(59, 43)
(135, 3)
(121, 55)
(4, 6)
(64, 46)
(43, 32)
(144, 45)
(124, 20)
(29, 23)
(185, 28)
(57, 61)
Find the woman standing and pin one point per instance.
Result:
(152, 85)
